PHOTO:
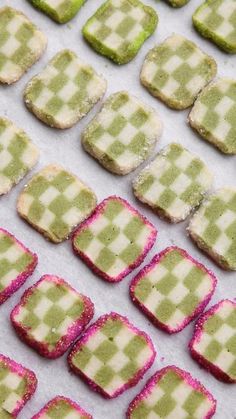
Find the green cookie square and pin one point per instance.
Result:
(59, 10)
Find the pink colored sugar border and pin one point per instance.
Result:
(58, 399)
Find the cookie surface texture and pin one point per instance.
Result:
(59, 10)
(62, 408)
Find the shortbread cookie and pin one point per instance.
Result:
(123, 133)
(216, 20)
(17, 385)
(213, 227)
(214, 342)
(172, 289)
(22, 44)
(174, 183)
(114, 240)
(65, 91)
(59, 10)
(177, 3)
(17, 263)
(213, 115)
(112, 355)
(119, 28)
(172, 393)
(176, 71)
(62, 408)
(54, 202)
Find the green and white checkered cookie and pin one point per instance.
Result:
(216, 20)
(65, 91)
(59, 10)
(213, 227)
(54, 202)
(213, 115)
(119, 28)
(62, 408)
(17, 155)
(176, 71)
(21, 44)
(174, 183)
(123, 133)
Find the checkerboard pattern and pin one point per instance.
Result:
(54, 202)
(59, 10)
(21, 44)
(62, 408)
(123, 133)
(213, 115)
(174, 183)
(176, 71)
(119, 28)
(65, 91)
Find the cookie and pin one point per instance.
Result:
(172, 393)
(22, 44)
(112, 355)
(213, 227)
(65, 91)
(114, 240)
(17, 386)
(54, 202)
(174, 183)
(17, 155)
(17, 263)
(216, 20)
(214, 342)
(122, 134)
(172, 289)
(59, 10)
(176, 71)
(119, 28)
(177, 3)
(213, 115)
(62, 408)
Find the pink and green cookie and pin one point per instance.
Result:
(62, 408)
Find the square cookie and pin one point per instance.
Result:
(112, 355)
(65, 91)
(54, 202)
(213, 115)
(59, 10)
(174, 394)
(22, 44)
(214, 342)
(62, 408)
(176, 71)
(119, 28)
(17, 155)
(213, 227)
(122, 134)
(216, 20)
(114, 240)
(17, 263)
(172, 289)
(174, 183)
(51, 315)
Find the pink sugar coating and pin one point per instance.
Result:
(57, 399)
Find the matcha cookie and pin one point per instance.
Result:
(213, 227)
(176, 71)
(112, 355)
(65, 91)
(214, 342)
(177, 3)
(123, 133)
(54, 202)
(213, 115)
(59, 10)
(62, 408)
(114, 240)
(119, 28)
(174, 183)
(22, 44)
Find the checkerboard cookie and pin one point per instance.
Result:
(17, 385)
(176, 71)
(214, 342)
(65, 91)
(122, 134)
(112, 355)
(114, 240)
(22, 44)
(59, 10)
(62, 408)
(172, 289)
(17, 263)
(119, 28)
(174, 183)
(54, 202)
(172, 393)
(213, 115)
(216, 20)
